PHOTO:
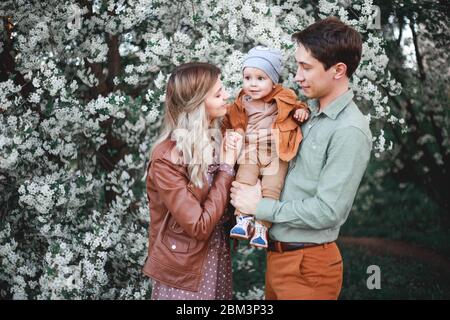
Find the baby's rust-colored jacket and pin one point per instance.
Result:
(290, 134)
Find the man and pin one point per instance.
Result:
(303, 261)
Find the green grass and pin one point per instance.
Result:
(400, 278)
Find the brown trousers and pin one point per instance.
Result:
(313, 273)
(272, 180)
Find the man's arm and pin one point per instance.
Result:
(347, 159)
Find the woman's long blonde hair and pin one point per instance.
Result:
(186, 121)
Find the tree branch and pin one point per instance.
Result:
(419, 57)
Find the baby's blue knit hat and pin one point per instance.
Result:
(266, 59)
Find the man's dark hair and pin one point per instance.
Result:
(331, 41)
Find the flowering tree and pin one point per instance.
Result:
(81, 94)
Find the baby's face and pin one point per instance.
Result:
(257, 83)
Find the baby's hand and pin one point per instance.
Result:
(301, 115)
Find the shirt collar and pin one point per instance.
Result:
(335, 107)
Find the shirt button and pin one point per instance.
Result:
(174, 247)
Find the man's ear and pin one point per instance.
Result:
(340, 70)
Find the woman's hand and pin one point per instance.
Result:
(231, 147)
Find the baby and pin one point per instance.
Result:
(264, 112)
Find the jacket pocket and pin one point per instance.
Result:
(176, 242)
(174, 226)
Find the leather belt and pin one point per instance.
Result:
(279, 246)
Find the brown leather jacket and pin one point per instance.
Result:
(182, 218)
(290, 134)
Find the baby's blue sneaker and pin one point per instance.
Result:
(242, 229)
(259, 238)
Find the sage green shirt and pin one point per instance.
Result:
(323, 178)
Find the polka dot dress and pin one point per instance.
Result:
(216, 283)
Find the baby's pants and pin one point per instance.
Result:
(272, 179)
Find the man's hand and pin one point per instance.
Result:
(245, 198)
(301, 115)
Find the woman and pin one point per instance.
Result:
(188, 182)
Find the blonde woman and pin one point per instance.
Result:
(188, 183)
